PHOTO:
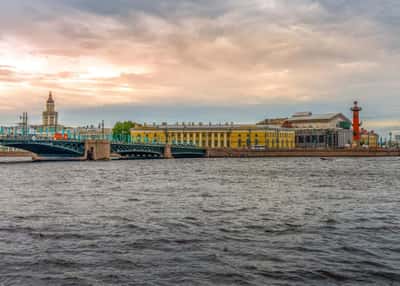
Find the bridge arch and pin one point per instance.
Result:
(48, 148)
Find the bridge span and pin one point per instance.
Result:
(48, 149)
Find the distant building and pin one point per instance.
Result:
(50, 123)
(216, 136)
(91, 132)
(323, 138)
(395, 136)
(369, 138)
(318, 121)
(50, 116)
(309, 120)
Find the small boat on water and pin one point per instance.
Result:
(326, 159)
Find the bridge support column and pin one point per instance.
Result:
(96, 150)
(167, 152)
(35, 157)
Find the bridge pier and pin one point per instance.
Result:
(168, 152)
(96, 150)
(35, 157)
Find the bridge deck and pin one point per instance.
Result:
(76, 148)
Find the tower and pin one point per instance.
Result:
(50, 116)
(356, 123)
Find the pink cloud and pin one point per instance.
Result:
(258, 52)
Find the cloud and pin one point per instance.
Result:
(6, 73)
(217, 53)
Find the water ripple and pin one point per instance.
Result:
(201, 222)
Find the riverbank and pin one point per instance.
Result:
(248, 153)
(15, 154)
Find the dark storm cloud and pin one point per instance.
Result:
(164, 8)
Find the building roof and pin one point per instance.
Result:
(209, 127)
(316, 117)
(272, 121)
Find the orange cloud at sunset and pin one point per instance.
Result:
(92, 53)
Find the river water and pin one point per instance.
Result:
(201, 222)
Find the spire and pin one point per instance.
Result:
(50, 98)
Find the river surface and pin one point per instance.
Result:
(201, 222)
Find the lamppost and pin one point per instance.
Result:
(102, 130)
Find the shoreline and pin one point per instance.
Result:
(5, 154)
(351, 153)
(244, 153)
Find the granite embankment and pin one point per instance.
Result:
(15, 154)
(248, 153)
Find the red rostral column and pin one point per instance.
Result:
(356, 122)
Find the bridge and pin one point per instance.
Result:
(99, 149)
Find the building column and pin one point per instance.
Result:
(200, 139)
(212, 140)
(194, 138)
(219, 140)
(225, 140)
(182, 138)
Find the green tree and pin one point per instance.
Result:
(121, 130)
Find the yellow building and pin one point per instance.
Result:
(217, 136)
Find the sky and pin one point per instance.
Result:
(175, 60)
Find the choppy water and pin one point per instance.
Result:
(201, 222)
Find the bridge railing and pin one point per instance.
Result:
(128, 139)
(29, 137)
